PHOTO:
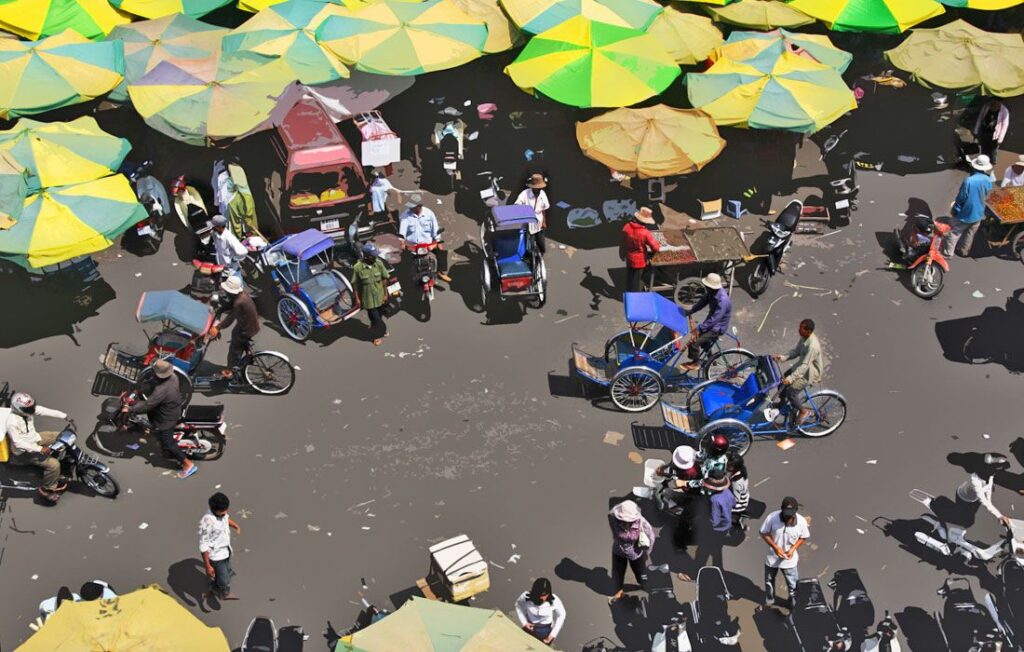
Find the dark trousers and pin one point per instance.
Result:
(794, 393)
(701, 346)
(237, 348)
(542, 243)
(989, 146)
(541, 632)
(222, 573)
(635, 279)
(639, 566)
(171, 448)
(791, 575)
(377, 326)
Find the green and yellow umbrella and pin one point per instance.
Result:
(402, 38)
(202, 101)
(761, 14)
(879, 16)
(33, 19)
(536, 16)
(771, 91)
(984, 5)
(63, 153)
(64, 222)
(688, 38)
(288, 31)
(148, 42)
(960, 56)
(743, 46)
(502, 34)
(61, 70)
(161, 8)
(658, 141)
(585, 63)
(13, 189)
(719, 3)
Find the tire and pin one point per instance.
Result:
(101, 483)
(739, 434)
(688, 291)
(485, 285)
(636, 389)
(757, 282)
(728, 365)
(211, 446)
(542, 291)
(1017, 246)
(693, 404)
(926, 280)
(973, 351)
(294, 317)
(269, 373)
(831, 408)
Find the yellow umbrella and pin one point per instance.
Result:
(35, 18)
(880, 16)
(657, 141)
(984, 5)
(536, 16)
(744, 46)
(161, 8)
(502, 34)
(689, 38)
(961, 56)
(761, 14)
(13, 189)
(147, 619)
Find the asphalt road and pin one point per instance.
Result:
(468, 423)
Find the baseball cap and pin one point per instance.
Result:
(789, 506)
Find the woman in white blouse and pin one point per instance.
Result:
(540, 611)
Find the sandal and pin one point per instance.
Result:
(181, 475)
(378, 341)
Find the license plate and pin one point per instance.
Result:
(145, 230)
(843, 203)
(450, 165)
(395, 288)
(330, 225)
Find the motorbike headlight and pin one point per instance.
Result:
(425, 279)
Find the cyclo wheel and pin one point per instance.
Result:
(828, 412)
(730, 365)
(739, 434)
(636, 389)
(294, 317)
(269, 373)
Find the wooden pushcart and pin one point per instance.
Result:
(1005, 223)
(688, 254)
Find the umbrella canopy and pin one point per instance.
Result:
(35, 18)
(161, 8)
(393, 37)
(961, 56)
(146, 619)
(985, 5)
(761, 14)
(431, 626)
(743, 46)
(536, 16)
(771, 91)
(688, 38)
(204, 100)
(585, 63)
(61, 223)
(719, 3)
(288, 31)
(13, 189)
(658, 141)
(63, 153)
(38, 76)
(883, 16)
(148, 42)
(502, 34)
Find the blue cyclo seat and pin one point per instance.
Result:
(323, 290)
(509, 251)
(718, 395)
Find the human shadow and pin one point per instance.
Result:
(599, 288)
(988, 338)
(975, 463)
(774, 630)
(597, 579)
(189, 581)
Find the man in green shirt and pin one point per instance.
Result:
(370, 279)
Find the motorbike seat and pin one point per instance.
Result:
(789, 217)
(203, 414)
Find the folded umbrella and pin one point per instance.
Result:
(33, 19)
(688, 38)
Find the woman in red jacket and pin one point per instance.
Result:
(636, 241)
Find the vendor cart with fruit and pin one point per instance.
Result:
(1005, 221)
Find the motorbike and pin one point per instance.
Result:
(842, 190)
(885, 637)
(768, 264)
(449, 137)
(920, 248)
(199, 433)
(424, 264)
(1007, 608)
(491, 193)
(850, 602)
(657, 489)
(153, 197)
(672, 637)
(964, 624)
(711, 621)
(813, 623)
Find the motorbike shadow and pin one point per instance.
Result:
(109, 441)
(986, 338)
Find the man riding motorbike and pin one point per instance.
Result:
(32, 448)
(241, 309)
(228, 249)
(418, 226)
(163, 408)
(719, 306)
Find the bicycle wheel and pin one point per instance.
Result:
(269, 373)
(635, 389)
(738, 433)
(730, 365)
(828, 412)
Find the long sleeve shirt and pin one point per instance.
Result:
(719, 311)
(243, 310)
(636, 240)
(722, 503)
(215, 536)
(969, 206)
(550, 612)
(228, 248)
(21, 430)
(741, 491)
(810, 362)
(626, 537)
(419, 228)
(163, 406)
(1002, 122)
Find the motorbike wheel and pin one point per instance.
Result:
(926, 280)
(269, 373)
(728, 365)
(1018, 246)
(636, 389)
(758, 280)
(211, 446)
(152, 244)
(828, 413)
(100, 482)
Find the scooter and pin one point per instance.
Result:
(885, 637)
(449, 137)
(813, 623)
(672, 637)
(656, 489)
(964, 624)
(951, 540)
(1008, 609)
(199, 433)
(769, 263)
(711, 621)
(491, 193)
(424, 267)
(153, 196)
(920, 248)
(842, 190)
(854, 609)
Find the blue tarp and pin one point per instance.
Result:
(305, 245)
(175, 307)
(652, 307)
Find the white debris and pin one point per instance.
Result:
(977, 294)
(143, 525)
(35, 577)
(871, 462)
(860, 531)
(514, 559)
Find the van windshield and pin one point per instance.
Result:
(325, 186)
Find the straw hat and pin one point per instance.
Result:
(163, 369)
(981, 163)
(645, 215)
(712, 281)
(1019, 163)
(627, 511)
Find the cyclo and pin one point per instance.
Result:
(642, 363)
(183, 339)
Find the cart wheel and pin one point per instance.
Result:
(483, 235)
(294, 317)
(731, 365)
(689, 290)
(757, 282)
(926, 280)
(636, 389)
(738, 433)
(269, 373)
(828, 412)
(1018, 246)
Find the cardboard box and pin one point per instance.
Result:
(459, 568)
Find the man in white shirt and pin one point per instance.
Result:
(1014, 175)
(540, 611)
(784, 531)
(535, 197)
(418, 226)
(32, 448)
(228, 249)
(215, 546)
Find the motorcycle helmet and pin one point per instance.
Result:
(717, 445)
(178, 186)
(23, 404)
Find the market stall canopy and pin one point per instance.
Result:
(771, 91)
(657, 141)
(203, 101)
(879, 16)
(431, 626)
(63, 153)
(688, 38)
(502, 34)
(63, 222)
(145, 619)
(148, 42)
(585, 63)
(743, 46)
(960, 56)
(393, 37)
(984, 5)
(58, 71)
(536, 16)
(33, 19)
(13, 189)
(761, 14)
(161, 8)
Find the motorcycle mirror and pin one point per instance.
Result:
(994, 458)
(467, 103)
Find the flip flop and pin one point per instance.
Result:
(378, 341)
(181, 475)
